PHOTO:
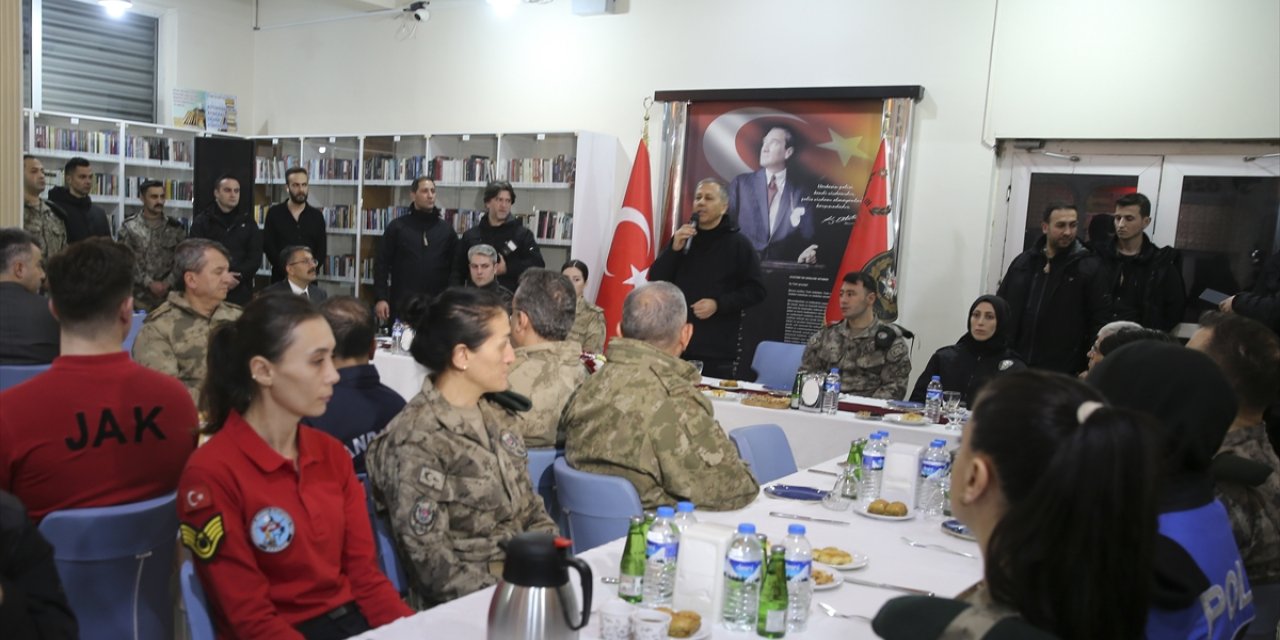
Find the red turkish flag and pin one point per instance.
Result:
(869, 236)
(631, 250)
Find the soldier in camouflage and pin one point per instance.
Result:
(548, 368)
(153, 237)
(641, 417)
(588, 319)
(453, 480)
(871, 355)
(39, 217)
(174, 338)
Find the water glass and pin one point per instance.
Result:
(615, 620)
(649, 624)
(950, 402)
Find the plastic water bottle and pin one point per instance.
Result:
(872, 469)
(884, 438)
(684, 517)
(660, 551)
(933, 465)
(799, 557)
(742, 573)
(933, 399)
(397, 330)
(831, 392)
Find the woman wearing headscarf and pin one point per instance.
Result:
(981, 353)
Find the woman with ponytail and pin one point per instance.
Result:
(1059, 490)
(272, 511)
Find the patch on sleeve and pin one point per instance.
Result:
(422, 516)
(196, 498)
(272, 529)
(205, 541)
(431, 478)
(513, 443)
(1005, 364)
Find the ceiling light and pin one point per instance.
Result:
(116, 8)
(503, 8)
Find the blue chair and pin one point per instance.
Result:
(199, 624)
(115, 564)
(598, 508)
(384, 542)
(14, 374)
(765, 449)
(543, 478)
(776, 363)
(138, 318)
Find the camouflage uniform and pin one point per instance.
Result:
(641, 418)
(153, 245)
(864, 369)
(547, 374)
(174, 340)
(452, 495)
(588, 327)
(1254, 510)
(48, 228)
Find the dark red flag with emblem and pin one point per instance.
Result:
(869, 236)
(631, 250)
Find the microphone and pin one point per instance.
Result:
(693, 220)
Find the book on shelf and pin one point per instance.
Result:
(339, 216)
(386, 167)
(272, 168)
(463, 219)
(341, 266)
(541, 170)
(157, 148)
(378, 219)
(332, 168)
(472, 169)
(84, 141)
(105, 184)
(548, 225)
(173, 189)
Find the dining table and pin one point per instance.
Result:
(946, 567)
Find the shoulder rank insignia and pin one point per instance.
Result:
(203, 542)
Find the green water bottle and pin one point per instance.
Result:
(631, 573)
(771, 622)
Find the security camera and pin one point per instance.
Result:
(421, 15)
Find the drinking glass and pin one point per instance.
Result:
(950, 402)
(697, 364)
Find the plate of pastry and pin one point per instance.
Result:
(825, 578)
(885, 510)
(838, 558)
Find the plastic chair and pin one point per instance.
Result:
(14, 374)
(765, 449)
(383, 541)
(776, 363)
(543, 478)
(115, 564)
(138, 318)
(199, 624)
(597, 508)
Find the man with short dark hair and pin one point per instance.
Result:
(719, 271)
(84, 218)
(771, 204)
(45, 221)
(548, 367)
(226, 223)
(871, 354)
(416, 253)
(28, 332)
(361, 405)
(1142, 282)
(516, 246)
(1054, 293)
(300, 275)
(293, 222)
(174, 339)
(482, 265)
(154, 237)
(641, 417)
(96, 429)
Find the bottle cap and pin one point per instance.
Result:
(665, 512)
(938, 443)
(877, 435)
(936, 379)
(637, 519)
(684, 506)
(836, 370)
(795, 529)
(746, 527)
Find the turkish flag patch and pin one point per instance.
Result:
(195, 497)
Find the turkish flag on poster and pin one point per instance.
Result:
(869, 236)
(631, 250)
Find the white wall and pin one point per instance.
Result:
(207, 46)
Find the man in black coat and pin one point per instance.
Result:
(416, 254)
(1053, 294)
(225, 222)
(293, 222)
(1142, 282)
(29, 334)
(1262, 303)
(517, 248)
(84, 219)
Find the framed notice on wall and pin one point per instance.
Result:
(204, 110)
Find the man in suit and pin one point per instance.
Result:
(300, 275)
(770, 204)
(28, 332)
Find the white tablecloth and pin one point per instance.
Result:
(400, 372)
(892, 561)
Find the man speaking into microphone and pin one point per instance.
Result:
(719, 272)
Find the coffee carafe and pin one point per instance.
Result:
(534, 600)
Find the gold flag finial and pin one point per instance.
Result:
(644, 131)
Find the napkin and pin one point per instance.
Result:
(901, 473)
(700, 570)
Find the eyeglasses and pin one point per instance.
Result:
(311, 261)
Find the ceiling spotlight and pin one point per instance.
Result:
(116, 8)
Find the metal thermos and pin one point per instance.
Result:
(534, 600)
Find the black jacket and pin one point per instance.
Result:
(243, 239)
(1263, 303)
(513, 242)
(1055, 315)
(1156, 297)
(35, 606)
(361, 407)
(83, 218)
(280, 230)
(416, 255)
(721, 265)
(966, 365)
(29, 334)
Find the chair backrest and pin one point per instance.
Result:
(199, 624)
(115, 564)
(765, 449)
(14, 374)
(138, 318)
(384, 542)
(776, 364)
(543, 478)
(598, 507)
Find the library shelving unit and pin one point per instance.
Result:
(542, 168)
